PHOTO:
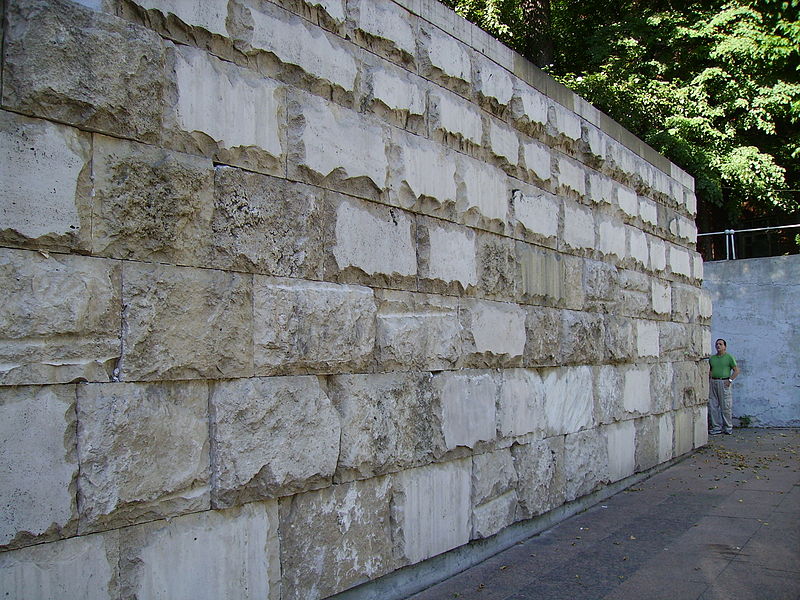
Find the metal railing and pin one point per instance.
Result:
(730, 239)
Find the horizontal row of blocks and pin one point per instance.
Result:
(68, 318)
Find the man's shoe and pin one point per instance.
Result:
(728, 432)
(714, 432)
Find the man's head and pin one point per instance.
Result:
(721, 345)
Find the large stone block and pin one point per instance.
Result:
(271, 437)
(658, 254)
(647, 442)
(150, 204)
(684, 430)
(571, 176)
(417, 331)
(447, 259)
(503, 142)
(81, 567)
(666, 430)
(39, 464)
(601, 282)
(662, 392)
(50, 211)
(208, 15)
(540, 473)
(431, 509)
(537, 213)
(494, 515)
(442, 54)
(426, 173)
(580, 337)
(331, 144)
(627, 200)
(609, 383)
(685, 303)
(183, 323)
(398, 91)
(373, 241)
(530, 105)
(295, 41)
(494, 333)
(647, 339)
(385, 20)
(568, 399)
(493, 81)
(304, 326)
(60, 318)
(586, 464)
(538, 159)
(662, 297)
(543, 330)
(636, 397)
(143, 451)
(451, 115)
(484, 194)
(389, 422)
(638, 249)
(468, 406)
(230, 113)
(679, 261)
(71, 64)
(611, 238)
(700, 425)
(493, 475)
(648, 211)
(497, 266)
(578, 226)
(351, 541)
(266, 225)
(688, 379)
(520, 408)
(567, 123)
(601, 191)
(204, 556)
(621, 442)
(619, 339)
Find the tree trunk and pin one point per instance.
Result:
(538, 39)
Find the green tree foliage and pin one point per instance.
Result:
(713, 84)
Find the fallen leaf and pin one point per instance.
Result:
(504, 567)
(632, 537)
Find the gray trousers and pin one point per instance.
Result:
(720, 405)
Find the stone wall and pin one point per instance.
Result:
(298, 294)
(755, 310)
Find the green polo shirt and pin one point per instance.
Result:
(721, 366)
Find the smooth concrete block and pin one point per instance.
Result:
(351, 541)
(59, 318)
(662, 297)
(389, 422)
(271, 436)
(658, 253)
(417, 331)
(304, 326)
(143, 452)
(184, 323)
(427, 170)
(103, 74)
(494, 81)
(647, 339)
(665, 437)
(50, 211)
(493, 329)
(233, 106)
(568, 399)
(638, 249)
(621, 438)
(485, 192)
(684, 430)
(333, 138)
(398, 90)
(447, 254)
(503, 142)
(571, 175)
(578, 226)
(204, 556)
(611, 238)
(151, 204)
(39, 464)
(295, 41)
(538, 213)
(520, 408)
(636, 391)
(447, 55)
(538, 159)
(451, 114)
(468, 406)
(386, 20)
(374, 239)
(627, 200)
(431, 509)
(206, 15)
(586, 464)
(540, 475)
(81, 567)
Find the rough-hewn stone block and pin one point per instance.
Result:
(637, 246)
(37, 480)
(658, 254)
(494, 332)
(666, 429)
(636, 393)
(304, 326)
(446, 55)
(447, 255)
(484, 198)
(520, 408)
(389, 422)
(537, 159)
(648, 211)
(494, 82)
(571, 175)
(679, 261)
(150, 204)
(568, 399)
(426, 170)
(60, 318)
(566, 122)
(543, 330)
(647, 339)
(417, 331)
(497, 268)
(585, 463)
(494, 494)
(601, 188)
(50, 211)
(538, 213)
(580, 336)
(103, 74)
(271, 437)
(608, 394)
(627, 200)
(621, 439)
(209, 15)
(503, 142)
(351, 539)
(619, 339)
(647, 442)
(611, 238)
(451, 115)
(700, 426)
(143, 451)
(540, 475)
(578, 226)
(183, 323)
(542, 275)
(431, 509)
(204, 556)
(468, 403)
(398, 90)
(386, 20)
(662, 297)
(684, 430)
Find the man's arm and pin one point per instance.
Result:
(734, 372)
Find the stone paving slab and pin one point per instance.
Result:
(722, 524)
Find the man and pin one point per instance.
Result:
(723, 371)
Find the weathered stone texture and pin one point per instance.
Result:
(621, 438)
(425, 171)
(271, 437)
(104, 74)
(520, 407)
(50, 211)
(581, 337)
(183, 323)
(494, 333)
(484, 194)
(537, 213)
(544, 331)
(209, 15)
(59, 319)
(143, 451)
(568, 399)
(385, 20)
(335, 538)
(293, 328)
(150, 204)
(540, 474)
(468, 404)
(541, 275)
(230, 554)
(431, 509)
(39, 464)
(586, 463)
(447, 255)
(389, 422)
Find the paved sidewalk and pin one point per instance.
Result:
(723, 524)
